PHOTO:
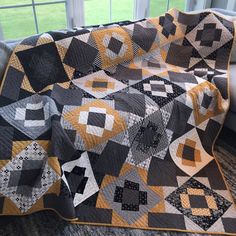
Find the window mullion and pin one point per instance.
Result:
(141, 9)
(134, 9)
(110, 11)
(35, 17)
(75, 13)
(167, 5)
(231, 5)
(69, 14)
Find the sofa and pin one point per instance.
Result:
(6, 49)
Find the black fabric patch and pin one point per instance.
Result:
(34, 114)
(42, 66)
(32, 41)
(182, 77)
(179, 55)
(1, 204)
(158, 176)
(123, 73)
(63, 204)
(168, 27)
(91, 214)
(6, 139)
(208, 35)
(222, 84)
(189, 20)
(158, 87)
(57, 35)
(134, 103)
(153, 64)
(99, 84)
(115, 45)
(62, 146)
(207, 136)
(144, 37)
(80, 55)
(76, 180)
(179, 112)
(12, 83)
(28, 177)
(229, 224)
(112, 158)
(67, 96)
(166, 220)
(188, 153)
(198, 201)
(206, 101)
(212, 172)
(96, 119)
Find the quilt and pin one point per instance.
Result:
(115, 125)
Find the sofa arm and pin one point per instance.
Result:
(5, 53)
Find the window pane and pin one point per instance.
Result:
(96, 12)
(17, 23)
(157, 7)
(179, 4)
(14, 2)
(51, 17)
(122, 10)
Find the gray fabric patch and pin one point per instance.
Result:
(12, 84)
(179, 55)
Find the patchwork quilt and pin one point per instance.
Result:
(115, 125)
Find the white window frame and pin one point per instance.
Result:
(75, 13)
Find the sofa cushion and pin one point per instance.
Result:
(232, 87)
(5, 52)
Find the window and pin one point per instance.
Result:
(96, 12)
(105, 11)
(21, 18)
